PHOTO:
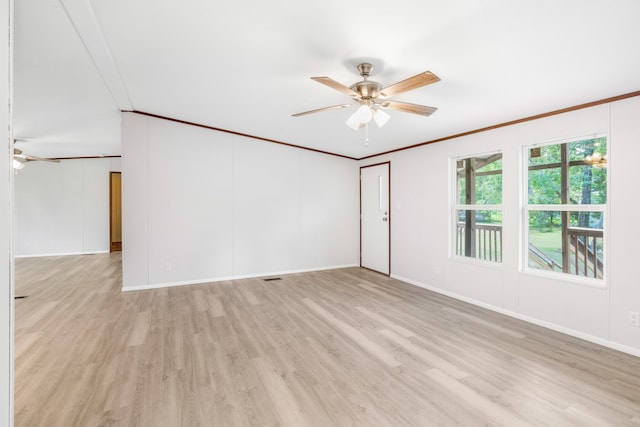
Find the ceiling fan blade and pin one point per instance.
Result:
(27, 158)
(333, 107)
(423, 110)
(337, 86)
(411, 83)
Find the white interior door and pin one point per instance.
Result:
(374, 217)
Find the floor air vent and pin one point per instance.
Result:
(271, 279)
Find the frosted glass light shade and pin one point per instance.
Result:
(380, 117)
(364, 114)
(354, 122)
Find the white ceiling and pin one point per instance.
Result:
(244, 66)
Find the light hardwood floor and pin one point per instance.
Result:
(336, 348)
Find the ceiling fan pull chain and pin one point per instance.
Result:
(366, 134)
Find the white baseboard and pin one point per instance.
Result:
(237, 277)
(567, 331)
(61, 254)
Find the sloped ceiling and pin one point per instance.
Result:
(244, 66)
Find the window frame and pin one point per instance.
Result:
(456, 206)
(526, 208)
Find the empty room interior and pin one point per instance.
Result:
(410, 213)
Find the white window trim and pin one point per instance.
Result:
(456, 206)
(526, 208)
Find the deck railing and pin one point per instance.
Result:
(584, 244)
(583, 249)
(488, 242)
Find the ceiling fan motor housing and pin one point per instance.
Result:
(367, 89)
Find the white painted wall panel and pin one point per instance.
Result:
(49, 208)
(329, 199)
(62, 208)
(417, 221)
(116, 164)
(267, 208)
(135, 204)
(574, 306)
(202, 205)
(510, 269)
(95, 205)
(190, 220)
(624, 232)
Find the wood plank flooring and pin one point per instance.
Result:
(335, 348)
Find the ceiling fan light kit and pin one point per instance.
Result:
(20, 159)
(363, 116)
(596, 159)
(371, 96)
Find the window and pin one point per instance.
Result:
(565, 207)
(478, 207)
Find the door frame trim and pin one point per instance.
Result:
(388, 163)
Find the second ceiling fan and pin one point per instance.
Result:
(20, 159)
(372, 98)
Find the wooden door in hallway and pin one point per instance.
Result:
(115, 207)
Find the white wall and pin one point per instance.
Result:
(201, 205)
(6, 206)
(420, 198)
(62, 208)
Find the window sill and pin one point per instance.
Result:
(476, 261)
(567, 278)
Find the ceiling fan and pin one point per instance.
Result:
(372, 98)
(20, 159)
